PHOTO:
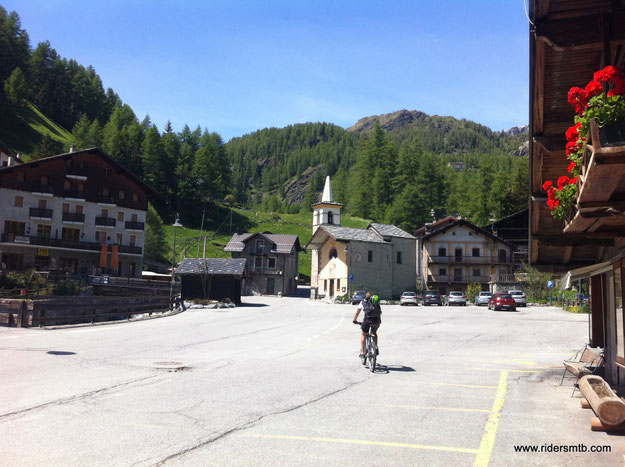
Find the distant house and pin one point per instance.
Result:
(272, 261)
(379, 258)
(7, 158)
(457, 166)
(454, 252)
(514, 229)
(212, 278)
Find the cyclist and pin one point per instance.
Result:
(373, 318)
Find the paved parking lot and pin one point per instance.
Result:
(279, 382)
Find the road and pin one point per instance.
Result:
(278, 382)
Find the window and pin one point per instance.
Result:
(133, 217)
(107, 171)
(20, 176)
(122, 195)
(475, 252)
(258, 262)
(325, 284)
(442, 271)
(118, 238)
(14, 227)
(43, 230)
(442, 251)
(133, 239)
(272, 263)
(333, 253)
(476, 272)
(19, 201)
(79, 209)
(120, 216)
(80, 187)
(370, 256)
(67, 185)
(135, 197)
(453, 233)
(104, 213)
(338, 284)
(100, 236)
(71, 235)
(65, 207)
(260, 245)
(330, 217)
(399, 257)
(43, 204)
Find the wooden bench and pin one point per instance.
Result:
(583, 363)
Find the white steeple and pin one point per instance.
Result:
(327, 192)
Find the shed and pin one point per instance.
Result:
(212, 278)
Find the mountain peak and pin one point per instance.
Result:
(389, 122)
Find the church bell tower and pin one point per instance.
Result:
(326, 212)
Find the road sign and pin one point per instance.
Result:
(351, 277)
(549, 283)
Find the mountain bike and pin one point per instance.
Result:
(371, 350)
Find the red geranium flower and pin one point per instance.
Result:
(607, 74)
(550, 203)
(572, 165)
(578, 98)
(619, 87)
(562, 181)
(572, 147)
(573, 132)
(594, 88)
(556, 204)
(547, 185)
(573, 181)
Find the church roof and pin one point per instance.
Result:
(349, 233)
(388, 230)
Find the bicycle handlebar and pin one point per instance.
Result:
(357, 322)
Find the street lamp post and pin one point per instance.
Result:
(173, 261)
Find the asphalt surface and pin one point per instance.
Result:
(279, 382)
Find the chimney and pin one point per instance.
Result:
(72, 148)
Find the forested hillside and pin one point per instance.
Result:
(389, 168)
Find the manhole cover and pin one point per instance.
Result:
(168, 364)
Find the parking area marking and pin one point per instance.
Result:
(428, 407)
(459, 385)
(364, 442)
(490, 431)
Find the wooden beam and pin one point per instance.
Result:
(602, 212)
(535, 219)
(534, 251)
(551, 143)
(539, 88)
(542, 9)
(600, 252)
(568, 251)
(571, 240)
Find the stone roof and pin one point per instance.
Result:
(349, 233)
(282, 243)
(387, 230)
(212, 266)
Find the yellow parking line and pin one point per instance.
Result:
(490, 432)
(513, 371)
(401, 406)
(459, 385)
(365, 442)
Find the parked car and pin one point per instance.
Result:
(502, 301)
(457, 298)
(408, 298)
(358, 297)
(519, 297)
(432, 297)
(483, 298)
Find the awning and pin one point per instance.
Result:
(581, 273)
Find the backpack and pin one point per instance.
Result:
(371, 310)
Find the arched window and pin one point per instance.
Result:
(330, 217)
(333, 253)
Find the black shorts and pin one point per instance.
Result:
(373, 323)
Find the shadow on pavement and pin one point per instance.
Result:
(252, 305)
(388, 369)
(60, 352)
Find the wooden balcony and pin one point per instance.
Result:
(469, 259)
(600, 202)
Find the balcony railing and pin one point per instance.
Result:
(38, 187)
(258, 251)
(77, 194)
(458, 278)
(105, 221)
(76, 171)
(469, 259)
(60, 243)
(39, 212)
(73, 217)
(106, 199)
(130, 225)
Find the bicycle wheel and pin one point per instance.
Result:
(372, 356)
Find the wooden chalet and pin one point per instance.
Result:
(569, 41)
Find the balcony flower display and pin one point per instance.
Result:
(603, 99)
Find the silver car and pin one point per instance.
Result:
(519, 297)
(483, 298)
(457, 298)
(408, 298)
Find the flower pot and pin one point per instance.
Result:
(612, 134)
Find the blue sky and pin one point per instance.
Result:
(238, 66)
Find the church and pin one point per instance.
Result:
(380, 258)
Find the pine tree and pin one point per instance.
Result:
(155, 244)
(15, 88)
(154, 160)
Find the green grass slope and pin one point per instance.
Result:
(33, 125)
(188, 240)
